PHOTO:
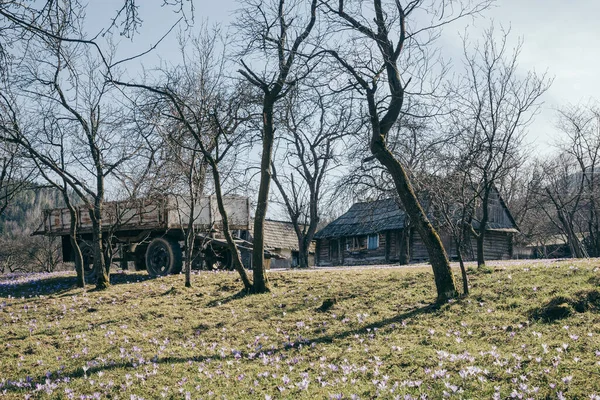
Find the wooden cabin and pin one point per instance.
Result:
(377, 232)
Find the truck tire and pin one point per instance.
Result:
(87, 251)
(163, 257)
(218, 259)
(226, 260)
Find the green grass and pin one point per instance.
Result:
(320, 334)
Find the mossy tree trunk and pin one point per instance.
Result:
(384, 115)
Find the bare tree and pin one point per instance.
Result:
(314, 126)
(65, 83)
(11, 132)
(195, 83)
(452, 202)
(64, 189)
(202, 114)
(420, 144)
(560, 195)
(388, 45)
(276, 32)
(581, 128)
(568, 184)
(496, 107)
(15, 174)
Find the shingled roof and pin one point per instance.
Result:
(281, 235)
(383, 215)
(365, 218)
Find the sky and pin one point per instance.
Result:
(560, 38)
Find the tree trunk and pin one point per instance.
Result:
(444, 279)
(102, 270)
(260, 281)
(303, 253)
(77, 256)
(189, 241)
(235, 253)
(573, 241)
(480, 237)
(196, 186)
(189, 248)
(480, 253)
(404, 256)
(463, 270)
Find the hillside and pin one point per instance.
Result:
(23, 214)
(353, 333)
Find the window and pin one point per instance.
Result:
(373, 242)
(352, 243)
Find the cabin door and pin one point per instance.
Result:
(335, 251)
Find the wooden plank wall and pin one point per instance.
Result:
(354, 256)
(497, 246)
(394, 246)
(418, 251)
(323, 255)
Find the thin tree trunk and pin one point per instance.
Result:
(77, 256)
(196, 190)
(480, 253)
(100, 267)
(463, 270)
(189, 238)
(189, 245)
(235, 253)
(572, 239)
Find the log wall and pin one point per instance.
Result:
(497, 246)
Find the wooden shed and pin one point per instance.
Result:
(378, 232)
(280, 238)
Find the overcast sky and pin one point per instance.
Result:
(560, 37)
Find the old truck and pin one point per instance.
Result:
(149, 232)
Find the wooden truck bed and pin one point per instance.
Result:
(151, 214)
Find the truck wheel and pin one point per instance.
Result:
(163, 257)
(87, 251)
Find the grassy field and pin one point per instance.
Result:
(528, 330)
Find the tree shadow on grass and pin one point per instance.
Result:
(15, 386)
(388, 322)
(219, 302)
(61, 285)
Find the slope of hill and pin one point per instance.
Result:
(529, 330)
(22, 215)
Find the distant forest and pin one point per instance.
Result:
(19, 250)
